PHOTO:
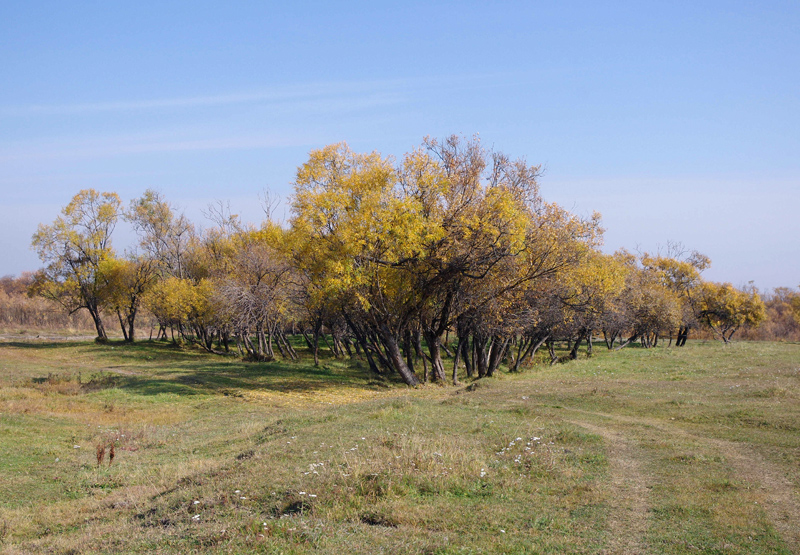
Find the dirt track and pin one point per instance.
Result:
(628, 520)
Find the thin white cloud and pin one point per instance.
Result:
(316, 91)
(291, 125)
(291, 93)
(122, 145)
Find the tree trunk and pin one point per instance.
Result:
(122, 325)
(252, 352)
(481, 357)
(631, 339)
(238, 340)
(130, 319)
(497, 354)
(434, 348)
(325, 340)
(551, 349)
(455, 361)
(408, 349)
(309, 343)
(396, 356)
(270, 351)
(728, 338)
(609, 339)
(317, 330)
(278, 344)
(573, 352)
(361, 341)
(531, 349)
(522, 348)
(371, 361)
(417, 339)
(446, 349)
(466, 354)
(375, 347)
(261, 342)
(98, 324)
(346, 345)
(286, 345)
(683, 334)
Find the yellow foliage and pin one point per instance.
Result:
(174, 300)
(725, 308)
(594, 280)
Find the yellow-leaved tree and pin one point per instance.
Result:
(725, 309)
(74, 248)
(127, 280)
(353, 234)
(680, 272)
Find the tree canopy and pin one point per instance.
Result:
(388, 259)
(75, 248)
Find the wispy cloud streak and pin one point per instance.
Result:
(293, 93)
(291, 124)
(317, 91)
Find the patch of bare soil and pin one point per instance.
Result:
(628, 518)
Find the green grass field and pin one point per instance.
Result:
(692, 450)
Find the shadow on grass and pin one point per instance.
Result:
(36, 344)
(156, 367)
(145, 350)
(231, 378)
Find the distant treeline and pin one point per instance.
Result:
(782, 322)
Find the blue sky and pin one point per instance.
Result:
(678, 121)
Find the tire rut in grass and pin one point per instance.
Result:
(628, 518)
(781, 499)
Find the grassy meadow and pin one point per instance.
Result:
(666, 450)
